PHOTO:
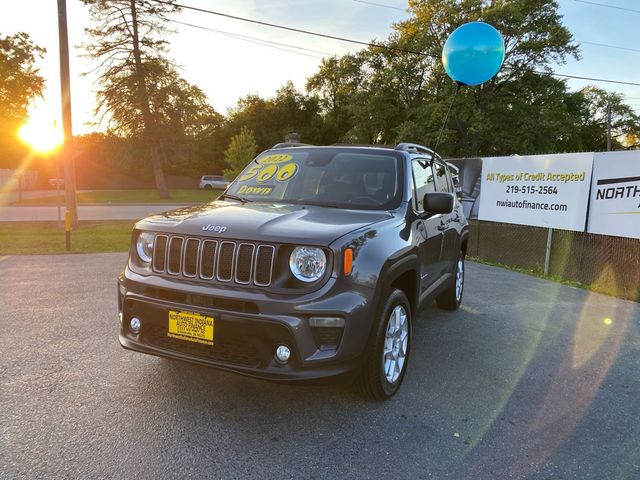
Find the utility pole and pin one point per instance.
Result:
(65, 90)
(609, 123)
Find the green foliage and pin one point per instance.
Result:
(141, 96)
(242, 149)
(20, 83)
(273, 118)
(592, 113)
(386, 96)
(114, 43)
(375, 95)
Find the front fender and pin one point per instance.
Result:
(380, 256)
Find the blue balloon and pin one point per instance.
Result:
(473, 53)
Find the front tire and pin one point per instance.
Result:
(388, 351)
(451, 298)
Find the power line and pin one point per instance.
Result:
(291, 29)
(391, 7)
(609, 46)
(576, 77)
(256, 40)
(580, 41)
(387, 47)
(608, 6)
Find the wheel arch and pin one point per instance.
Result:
(404, 275)
(463, 242)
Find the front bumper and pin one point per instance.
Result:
(249, 325)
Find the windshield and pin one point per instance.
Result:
(332, 177)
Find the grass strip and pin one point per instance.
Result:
(35, 238)
(130, 196)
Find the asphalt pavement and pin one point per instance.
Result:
(529, 379)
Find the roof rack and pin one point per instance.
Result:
(415, 148)
(289, 145)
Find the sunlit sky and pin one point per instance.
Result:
(228, 68)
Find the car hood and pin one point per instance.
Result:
(268, 222)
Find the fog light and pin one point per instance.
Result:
(283, 353)
(134, 325)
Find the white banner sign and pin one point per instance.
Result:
(615, 194)
(541, 190)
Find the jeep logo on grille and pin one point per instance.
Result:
(214, 228)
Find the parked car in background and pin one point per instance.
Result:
(214, 181)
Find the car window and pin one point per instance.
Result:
(424, 180)
(332, 177)
(442, 182)
(452, 186)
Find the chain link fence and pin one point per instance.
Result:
(603, 263)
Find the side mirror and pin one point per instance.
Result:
(438, 202)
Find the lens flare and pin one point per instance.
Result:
(41, 134)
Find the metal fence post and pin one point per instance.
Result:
(547, 255)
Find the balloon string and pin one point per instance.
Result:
(446, 117)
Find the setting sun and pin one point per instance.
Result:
(41, 134)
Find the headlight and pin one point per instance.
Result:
(307, 263)
(144, 246)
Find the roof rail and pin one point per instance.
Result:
(374, 145)
(290, 144)
(415, 148)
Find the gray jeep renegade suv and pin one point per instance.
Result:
(311, 265)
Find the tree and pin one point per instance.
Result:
(273, 118)
(128, 42)
(242, 149)
(597, 109)
(20, 83)
(386, 95)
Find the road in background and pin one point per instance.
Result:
(530, 379)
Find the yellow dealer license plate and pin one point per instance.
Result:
(191, 327)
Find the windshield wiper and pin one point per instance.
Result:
(234, 197)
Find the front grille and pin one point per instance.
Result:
(222, 261)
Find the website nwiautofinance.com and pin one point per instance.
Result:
(556, 207)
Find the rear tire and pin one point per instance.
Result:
(451, 298)
(388, 350)
(208, 187)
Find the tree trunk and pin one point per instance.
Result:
(150, 137)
